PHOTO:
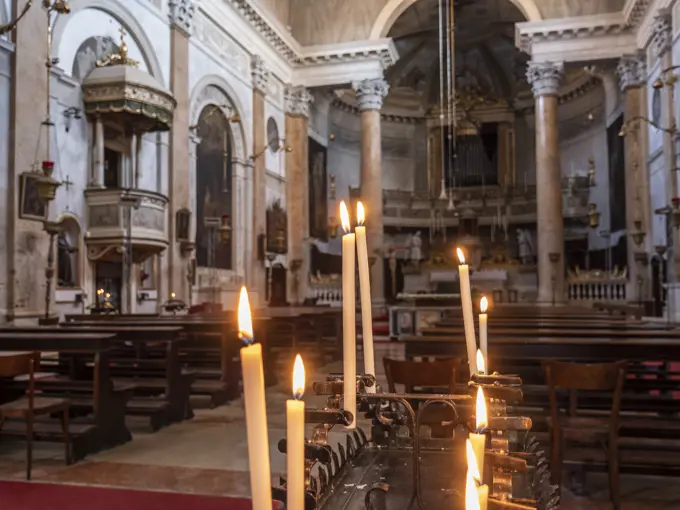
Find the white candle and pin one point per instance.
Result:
(478, 440)
(365, 290)
(256, 409)
(295, 441)
(349, 360)
(468, 317)
(476, 495)
(483, 338)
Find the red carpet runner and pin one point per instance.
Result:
(43, 496)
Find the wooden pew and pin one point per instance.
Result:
(102, 403)
(148, 359)
(650, 433)
(619, 309)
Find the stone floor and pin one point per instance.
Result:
(208, 455)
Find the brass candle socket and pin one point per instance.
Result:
(593, 216)
(225, 229)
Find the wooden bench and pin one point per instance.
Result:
(96, 424)
(619, 309)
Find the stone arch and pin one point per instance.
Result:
(116, 9)
(395, 8)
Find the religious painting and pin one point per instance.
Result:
(183, 220)
(318, 194)
(93, 49)
(213, 188)
(617, 176)
(31, 206)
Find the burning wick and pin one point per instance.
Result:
(298, 378)
(481, 366)
(245, 321)
(461, 256)
(481, 416)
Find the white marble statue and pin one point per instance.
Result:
(526, 246)
(415, 249)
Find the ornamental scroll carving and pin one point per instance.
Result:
(182, 14)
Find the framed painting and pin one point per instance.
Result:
(31, 206)
(183, 222)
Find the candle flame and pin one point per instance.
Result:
(108, 295)
(100, 292)
(471, 494)
(245, 321)
(344, 217)
(361, 214)
(172, 295)
(480, 414)
(481, 365)
(461, 255)
(298, 378)
(483, 304)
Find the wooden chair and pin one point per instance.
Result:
(575, 377)
(421, 374)
(26, 408)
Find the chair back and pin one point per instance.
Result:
(575, 377)
(21, 364)
(439, 374)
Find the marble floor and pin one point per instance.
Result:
(208, 455)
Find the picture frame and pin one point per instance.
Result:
(183, 225)
(31, 206)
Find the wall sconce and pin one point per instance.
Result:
(333, 227)
(69, 114)
(225, 228)
(142, 296)
(593, 216)
(331, 179)
(591, 171)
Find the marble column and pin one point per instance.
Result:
(194, 142)
(298, 101)
(257, 276)
(181, 16)
(98, 167)
(22, 287)
(370, 94)
(545, 78)
(632, 72)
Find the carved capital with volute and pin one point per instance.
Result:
(370, 93)
(260, 74)
(182, 14)
(298, 100)
(545, 77)
(632, 71)
(662, 32)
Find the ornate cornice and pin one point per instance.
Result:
(370, 93)
(632, 71)
(338, 103)
(182, 14)
(545, 77)
(634, 11)
(260, 73)
(298, 100)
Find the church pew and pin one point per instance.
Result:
(574, 331)
(650, 404)
(102, 424)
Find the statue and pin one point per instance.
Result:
(526, 246)
(65, 262)
(415, 249)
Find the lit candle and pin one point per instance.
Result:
(476, 494)
(478, 440)
(483, 320)
(348, 317)
(468, 317)
(256, 409)
(365, 289)
(172, 295)
(481, 364)
(295, 440)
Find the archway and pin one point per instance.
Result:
(395, 8)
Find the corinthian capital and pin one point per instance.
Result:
(662, 32)
(182, 14)
(370, 93)
(260, 74)
(545, 77)
(298, 100)
(632, 71)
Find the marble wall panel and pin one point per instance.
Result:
(5, 86)
(657, 191)
(567, 8)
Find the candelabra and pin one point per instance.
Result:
(52, 228)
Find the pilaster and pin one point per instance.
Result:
(181, 15)
(298, 101)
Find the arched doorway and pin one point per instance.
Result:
(214, 196)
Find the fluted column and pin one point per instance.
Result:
(260, 74)
(98, 166)
(298, 101)
(632, 72)
(181, 16)
(545, 78)
(370, 94)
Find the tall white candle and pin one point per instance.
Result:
(483, 338)
(468, 317)
(365, 290)
(295, 441)
(256, 409)
(478, 439)
(349, 359)
(476, 494)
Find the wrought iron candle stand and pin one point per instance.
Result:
(360, 472)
